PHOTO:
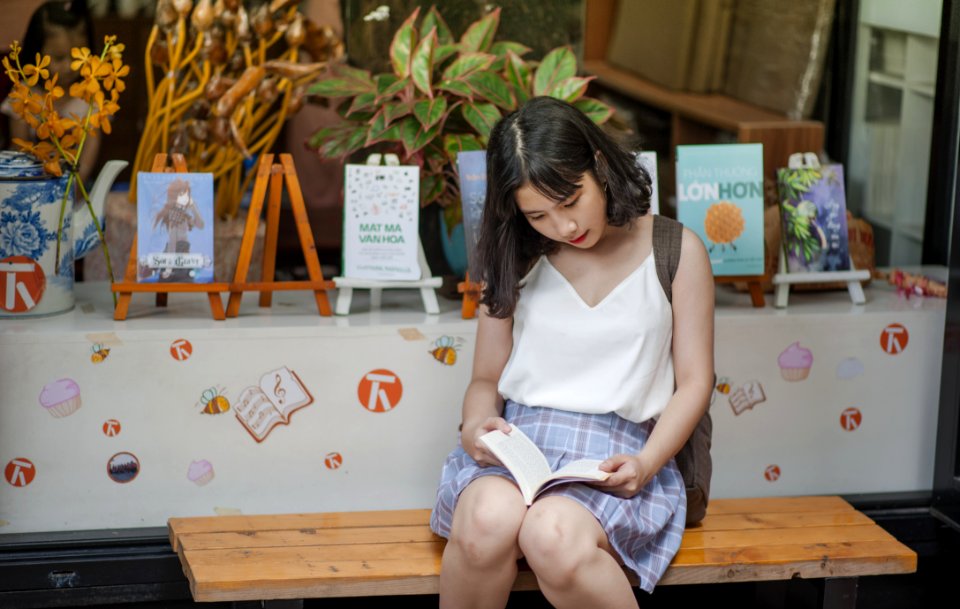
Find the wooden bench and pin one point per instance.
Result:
(385, 553)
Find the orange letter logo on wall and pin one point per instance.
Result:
(850, 419)
(20, 472)
(380, 390)
(181, 349)
(21, 284)
(772, 473)
(894, 339)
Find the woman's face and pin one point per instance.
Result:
(57, 43)
(579, 221)
(183, 198)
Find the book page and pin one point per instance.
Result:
(284, 389)
(257, 412)
(521, 456)
(583, 469)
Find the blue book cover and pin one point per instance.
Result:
(472, 168)
(720, 198)
(814, 218)
(175, 227)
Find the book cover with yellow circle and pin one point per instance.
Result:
(720, 197)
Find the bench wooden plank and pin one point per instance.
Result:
(307, 537)
(780, 520)
(774, 537)
(266, 522)
(395, 553)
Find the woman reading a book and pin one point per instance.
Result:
(578, 346)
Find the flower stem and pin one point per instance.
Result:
(63, 208)
(103, 241)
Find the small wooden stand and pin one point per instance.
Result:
(754, 284)
(129, 285)
(782, 280)
(276, 174)
(471, 297)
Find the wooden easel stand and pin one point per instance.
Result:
(276, 175)
(471, 297)
(754, 284)
(129, 285)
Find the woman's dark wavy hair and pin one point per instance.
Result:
(550, 145)
(69, 14)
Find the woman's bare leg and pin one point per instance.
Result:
(480, 561)
(571, 557)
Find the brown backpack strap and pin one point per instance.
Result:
(667, 236)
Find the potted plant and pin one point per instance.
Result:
(442, 96)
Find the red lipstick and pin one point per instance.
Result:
(579, 239)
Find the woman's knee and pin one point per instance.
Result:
(487, 520)
(554, 544)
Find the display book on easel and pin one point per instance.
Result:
(720, 198)
(381, 242)
(177, 209)
(813, 231)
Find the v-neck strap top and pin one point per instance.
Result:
(615, 356)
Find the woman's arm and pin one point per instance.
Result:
(693, 367)
(482, 404)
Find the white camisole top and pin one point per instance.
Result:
(613, 357)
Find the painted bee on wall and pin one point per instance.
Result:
(214, 402)
(445, 350)
(723, 386)
(99, 353)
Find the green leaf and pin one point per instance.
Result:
(340, 140)
(457, 87)
(479, 36)
(443, 52)
(500, 50)
(402, 46)
(433, 19)
(570, 89)
(493, 88)
(466, 64)
(481, 117)
(429, 112)
(390, 90)
(409, 127)
(343, 82)
(421, 66)
(460, 142)
(431, 187)
(434, 158)
(559, 64)
(390, 134)
(394, 111)
(518, 73)
(598, 111)
(364, 101)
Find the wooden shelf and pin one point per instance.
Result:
(713, 109)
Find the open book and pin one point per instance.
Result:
(529, 466)
(262, 408)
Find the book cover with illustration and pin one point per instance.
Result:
(720, 197)
(813, 214)
(175, 227)
(472, 170)
(271, 402)
(381, 214)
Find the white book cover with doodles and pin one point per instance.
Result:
(380, 222)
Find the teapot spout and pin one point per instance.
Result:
(84, 231)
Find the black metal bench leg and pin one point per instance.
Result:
(277, 604)
(839, 593)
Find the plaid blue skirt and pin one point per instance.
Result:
(644, 530)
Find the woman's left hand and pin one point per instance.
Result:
(629, 474)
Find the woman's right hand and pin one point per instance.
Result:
(470, 439)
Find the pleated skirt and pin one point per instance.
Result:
(644, 530)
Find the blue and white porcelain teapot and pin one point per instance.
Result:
(30, 207)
